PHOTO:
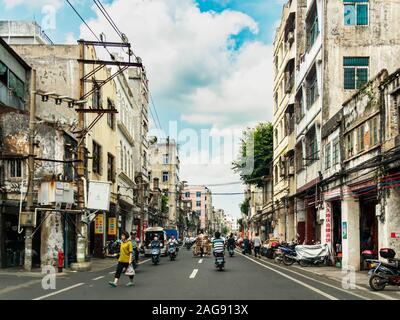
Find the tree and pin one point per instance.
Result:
(164, 203)
(245, 206)
(256, 154)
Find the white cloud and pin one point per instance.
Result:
(70, 38)
(192, 68)
(10, 4)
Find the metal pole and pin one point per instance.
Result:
(31, 171)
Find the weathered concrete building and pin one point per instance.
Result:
(288, 45)
(344, 44)
(165, 166)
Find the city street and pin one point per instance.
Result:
(193, 278)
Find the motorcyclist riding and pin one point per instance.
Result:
(218, 244)
(155, 243)
(172, 241)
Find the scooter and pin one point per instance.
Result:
(231, 250)
(111, 249)
(219, 261)
(155, 255)
(288, 255)
(383, 274)
(172, 252)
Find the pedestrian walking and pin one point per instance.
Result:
(257, 245)
(124, 261)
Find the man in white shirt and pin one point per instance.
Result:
(257, 245)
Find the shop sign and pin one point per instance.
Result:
(99, 224)
(344, 229)
(395, 235)
(112, 229)
(328, 222)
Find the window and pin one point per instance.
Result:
(356, 12)
(165, 158)
(349, 143)
(96, 96)
(328, 156)
(198, 203)
(373, 131)
(110, 167)
(121, 155)
(198, 194)
(187, 194)
(165, 176)
(299, 157)
(355, 72)
(96, 158)
(15, 168)
(336, 150)
(313, 155)
(144, 159)
(198, 212)
(3, 74)
(149, 175)
(276, 174)
(110, 116)
(125, 161)
(312, 28)
(299, 111)
(360, 138)
(312, 88)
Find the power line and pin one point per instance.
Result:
(83, 20)
(155, 110)
(108, 18)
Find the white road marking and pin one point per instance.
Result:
(59, 291)
(101, 277)
(193, 274)
(326, 295)
(321, 282)
(201, 260)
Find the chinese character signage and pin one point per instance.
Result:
(99, 224)
(112, 226)
(328, 219)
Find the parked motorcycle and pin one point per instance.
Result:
(383, 274)
(155, 255)
(112, 249)
(306, 255)
(219, 261)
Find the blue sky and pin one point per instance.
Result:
(209, 61)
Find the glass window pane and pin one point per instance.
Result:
(362, 77)
(349, 78)
(362, 14)
(3, 74)
(349, 14)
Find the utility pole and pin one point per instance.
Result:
(31, 171)
(82, 239)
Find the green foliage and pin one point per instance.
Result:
(245, 206)
(164, 203)
(256, 148)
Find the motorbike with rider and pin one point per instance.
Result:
(155, 250)
(172, 247)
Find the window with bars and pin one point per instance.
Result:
(312, 27)
(198, 194)
(110, 116)
(96, 166)
(110, 167)
(312, 88)
(312, 149)
(15, 168)
(198, 203)
(355, 72)
(356, 12)
(373, 131)
(360, 138)
(96, 96)
(165, 176)
(328, 156)
(349, 144)
(336, 151)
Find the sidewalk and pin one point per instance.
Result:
(97, 265)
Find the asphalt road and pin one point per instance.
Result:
(191, 278)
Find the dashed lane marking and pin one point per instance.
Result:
(98, 278)
(59, 291)
(201, 260)
(193, 274)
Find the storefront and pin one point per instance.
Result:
(312, 229)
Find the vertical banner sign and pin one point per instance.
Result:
(99, 224)
(344, 230)
(328, 219)
(112, 226)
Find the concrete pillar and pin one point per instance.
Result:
(51, 238)
(291, 230)
(389, 229)
(351, 238)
